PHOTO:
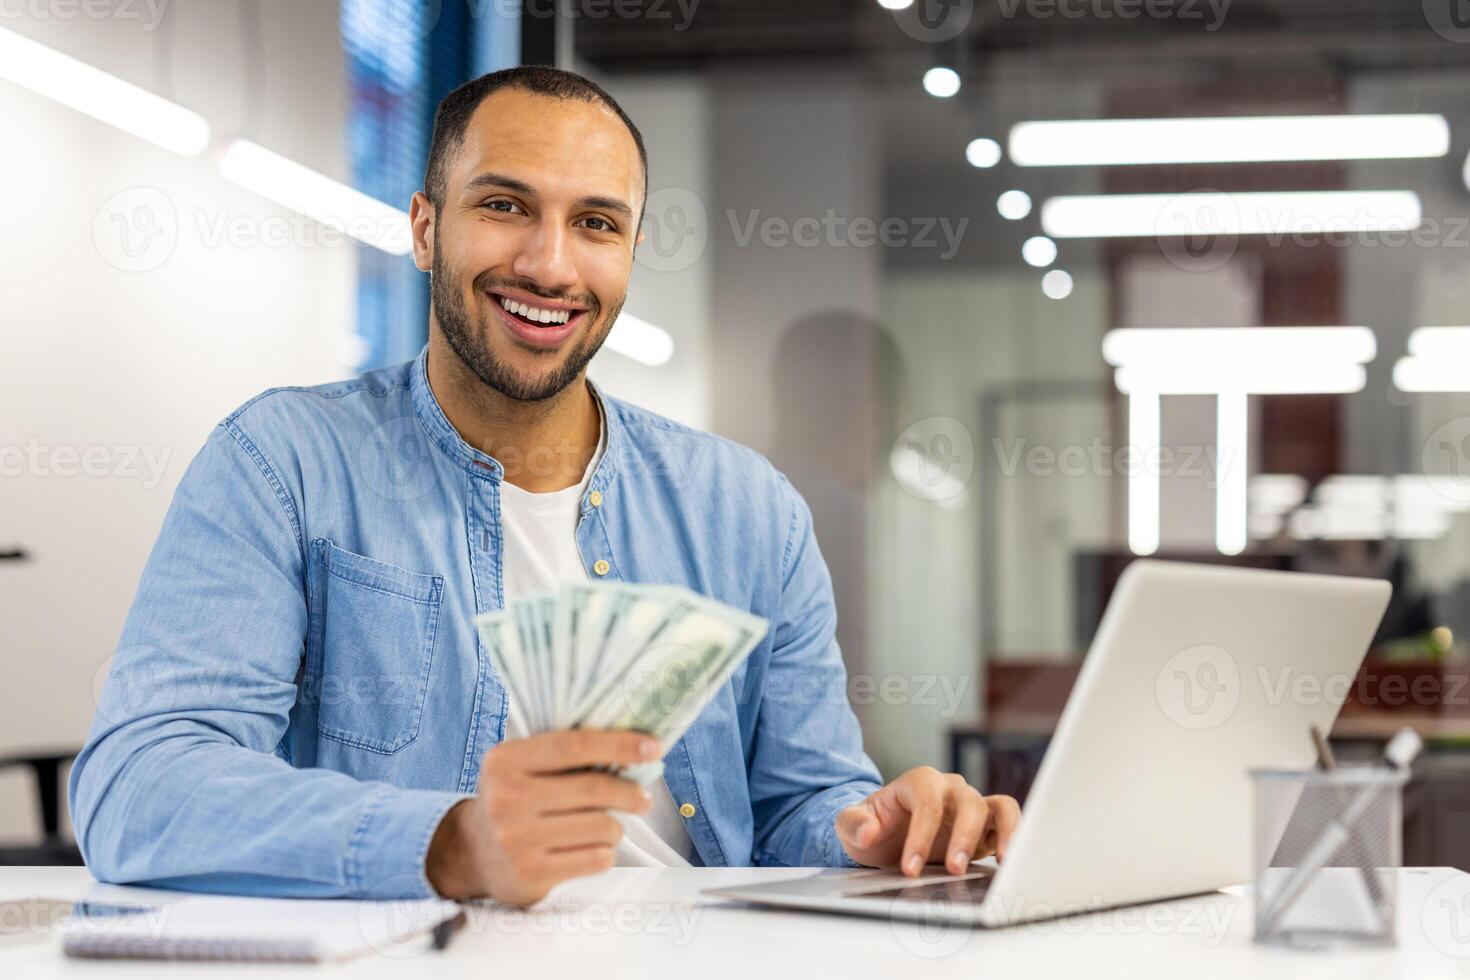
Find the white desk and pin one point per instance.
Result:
(655, 924)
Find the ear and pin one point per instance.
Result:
(639, 240)
(421, 223)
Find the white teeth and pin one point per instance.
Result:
(536, 313)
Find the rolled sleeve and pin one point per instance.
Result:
(386, 857)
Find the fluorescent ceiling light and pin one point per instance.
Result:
(1311, 523)
(983, 153)
(1277, 493)
(1229, 363)
(1404, 491)
(941, 82)
(1440, 342)
(1439, 360)
(1228, 139)
(1232, 440)
(1407, 505)
(1013, 205)
(1039, 251)
(317, 196)
(1423, 375)
(1218, 213)
(1057, 284)
(79, 86)
(1206, 379)
(1145, 428)
(1164, 348)
(645, 343)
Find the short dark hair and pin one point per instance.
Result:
(452, 117)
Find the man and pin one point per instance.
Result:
(299, 704)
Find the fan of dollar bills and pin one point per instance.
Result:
(616, 656)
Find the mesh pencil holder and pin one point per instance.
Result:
(1327, 846)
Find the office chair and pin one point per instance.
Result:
(53, 848)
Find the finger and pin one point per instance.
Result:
(971, 816)
(1005, 817)
(588, 791)
(925, 804)
(858, 825)
(578, 830)
(578, 748)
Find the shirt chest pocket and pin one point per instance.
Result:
(370, 647)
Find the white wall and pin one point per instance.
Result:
(670, 286)
(121, 364)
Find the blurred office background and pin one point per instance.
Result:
(1000, 360)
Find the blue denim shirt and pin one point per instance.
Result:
(299, 694)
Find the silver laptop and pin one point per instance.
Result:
(1197, 674)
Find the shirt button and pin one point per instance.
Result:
(686, 810)
(601, 567)
(595, 498)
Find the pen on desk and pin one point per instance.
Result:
(445, 930)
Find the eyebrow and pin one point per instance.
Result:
(598, 202)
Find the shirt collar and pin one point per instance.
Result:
(447, 438)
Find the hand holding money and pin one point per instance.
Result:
(601, 679)
(532, 823)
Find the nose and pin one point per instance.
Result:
(545, 258)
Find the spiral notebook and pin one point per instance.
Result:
(254, 929)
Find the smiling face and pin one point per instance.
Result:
(532, 246)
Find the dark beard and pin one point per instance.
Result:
(454, 321)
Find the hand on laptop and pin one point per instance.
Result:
(532, 823)
(927, 816)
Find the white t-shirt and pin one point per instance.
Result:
(539, 554)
